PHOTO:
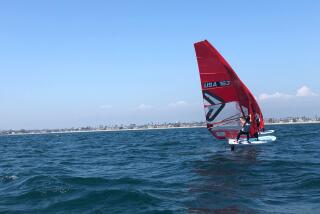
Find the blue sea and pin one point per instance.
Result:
(160, 171)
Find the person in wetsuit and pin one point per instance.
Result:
(256, 135)
(245, 128)
(258, 122)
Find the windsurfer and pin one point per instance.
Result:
(258, 121)
(246, 123)
(256, 134)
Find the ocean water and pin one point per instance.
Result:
(160, 171)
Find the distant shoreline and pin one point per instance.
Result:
(88, 131)
(145, 129)
(293, 123)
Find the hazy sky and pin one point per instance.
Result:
(75, 63)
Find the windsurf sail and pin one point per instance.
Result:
(226, 98)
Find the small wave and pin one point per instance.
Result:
(98, 181)
(8, 178)
(109, 200)
(231, 209)
(40, 186)
(309, 183)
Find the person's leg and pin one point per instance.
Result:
(238, 136)
(247, 136)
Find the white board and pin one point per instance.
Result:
(267, 132)
(253, 141)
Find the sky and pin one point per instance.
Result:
(77, 63)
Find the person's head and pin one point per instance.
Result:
(248, 118)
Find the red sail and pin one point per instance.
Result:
(226, 98)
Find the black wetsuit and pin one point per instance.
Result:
(258, 123)
(245, 130)
(256, 135)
